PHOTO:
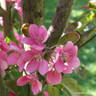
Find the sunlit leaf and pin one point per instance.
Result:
(92, 4)
(73, 36)
(72, 86)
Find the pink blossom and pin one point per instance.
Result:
(1, 36)
(69, 54)
(3, 62)
(54, 77)
(11, 93)
(35, 61)
(36, 86)
(46, 93)
(37, 38)
(18, 7)
(16, 57)
(18, 38)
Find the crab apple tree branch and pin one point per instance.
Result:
(60, 20)
(33, 11)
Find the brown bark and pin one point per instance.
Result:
(60, 21)
(84, 37)
(33, 11)
(6, 13)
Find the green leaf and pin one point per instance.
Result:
(14, 72)
(71, 27)
(82, 73)
(60, 86)
(73, 36)
(53, 91)
(72, 86)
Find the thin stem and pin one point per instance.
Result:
(87, 41)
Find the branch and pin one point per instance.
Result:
(84, 37)
(2, 86)
(87, 41)
(60, 20)
(7, 18)
(1, 11)
(33, 11)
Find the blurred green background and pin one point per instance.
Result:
(87, 54)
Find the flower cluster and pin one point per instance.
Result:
(62, 60)
(4, 48)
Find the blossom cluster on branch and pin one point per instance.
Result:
(62, 60)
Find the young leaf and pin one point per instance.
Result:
(71, 27)
(53, 91)
(82, 73)
(73, 36)
(72, 86)
(92, 4)
(25, 29)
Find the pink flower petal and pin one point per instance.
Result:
(73, 52)
(46, 93)
(3, 55)
(21, 67)
(67, 70)
(43, 67)
(22, 81)
(68, 46)
(11, 93)
(3, 72)
(30, 77)
(59, 65)
(1, 36)
(38, 46)
(43, 32)
(74, 62)
(3, 64)
(32, 66)
(14, 47)
(54, 77)
(4, 46)
(16, 36)
(13, 58)
(27, 40)
(28, 55)
(33, 30)
(36, 86)
(21, 64)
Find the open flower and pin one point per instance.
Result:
(36, 86)
(35, 61)
(69, 54)
(64, 59)
(38, 36)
